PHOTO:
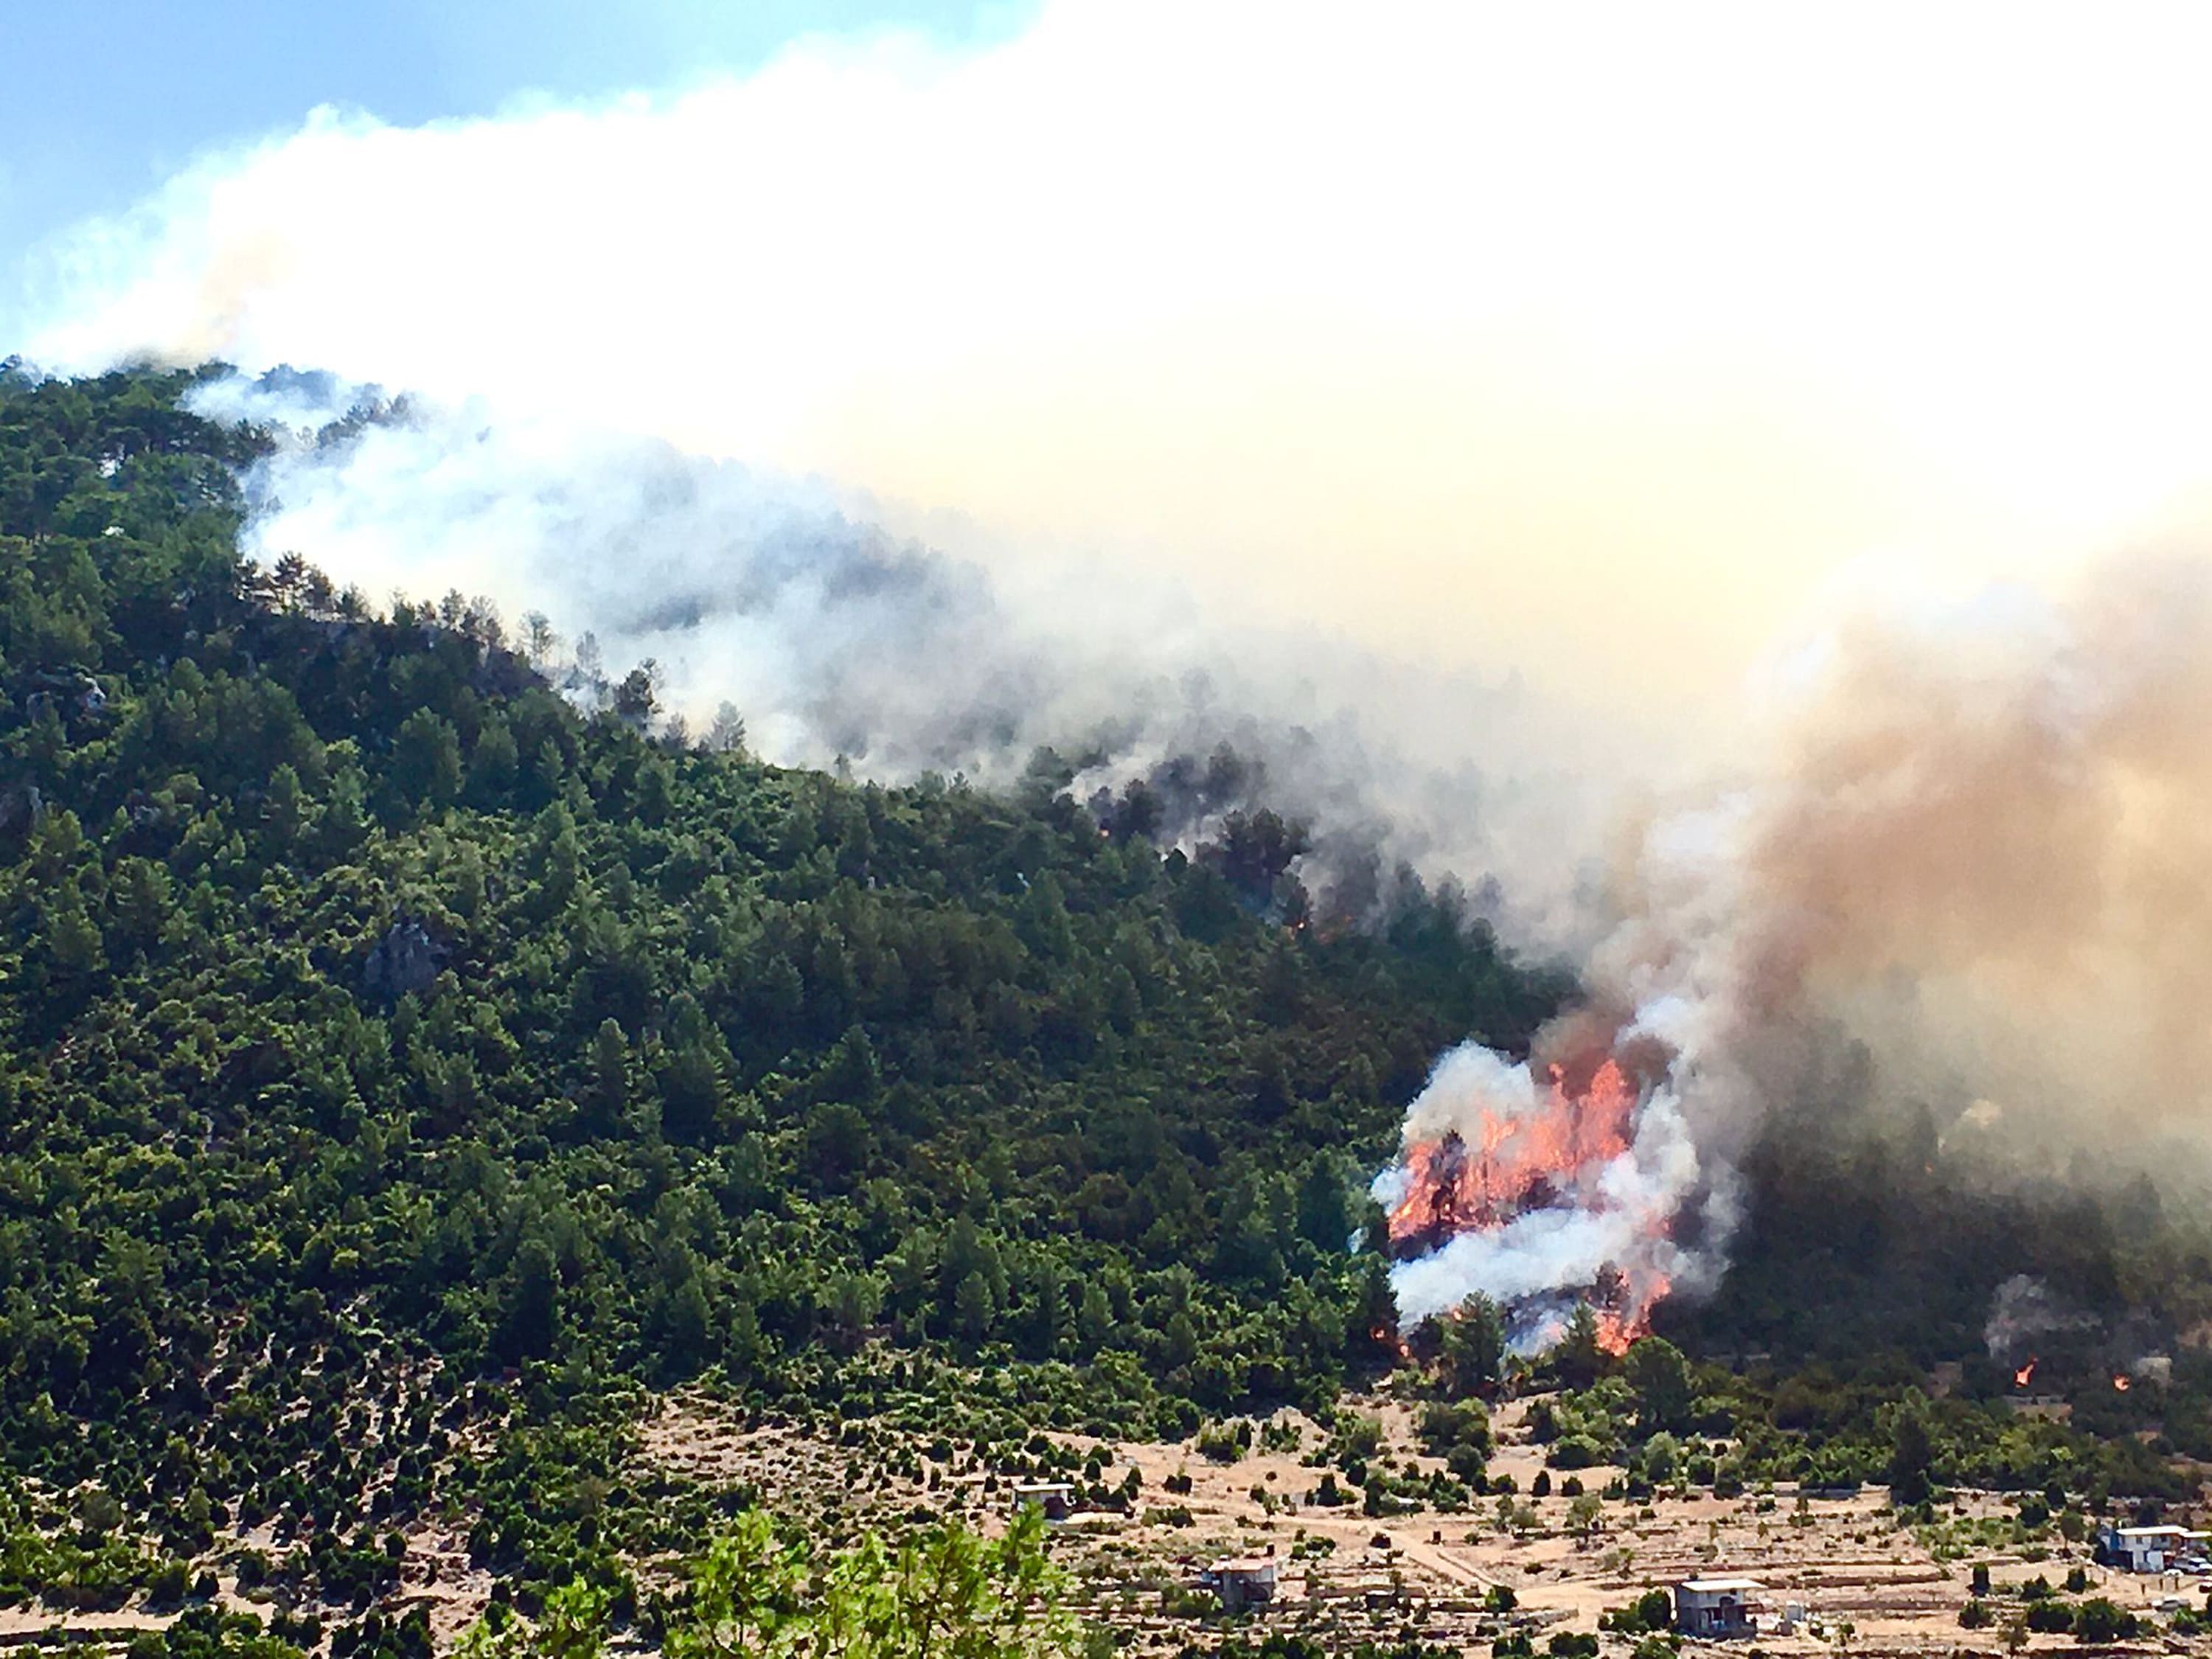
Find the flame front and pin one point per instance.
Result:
(1503, 1160)
(1457, 1188)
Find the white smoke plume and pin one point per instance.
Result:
(1584, 341)
(1610, 1218)
(1362, 397)
(834, 640)
(1978, 846)
(2023, 1309)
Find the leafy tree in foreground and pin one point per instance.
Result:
(945, 1593)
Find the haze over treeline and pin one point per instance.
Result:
(1488, 426)
(1108, 735)
(1498, 339)
(412, 1067)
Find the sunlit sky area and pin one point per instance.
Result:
(105, 99)
(1596, 343)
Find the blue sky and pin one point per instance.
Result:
(102, 100)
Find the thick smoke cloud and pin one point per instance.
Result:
(1987, 850)
(1380, 402)
(1980, 845)
(1584, 341)
(835, 640)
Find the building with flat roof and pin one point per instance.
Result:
(1718, 1606)
(1241, 1581)
(1055, 1497)
(2147, 1549)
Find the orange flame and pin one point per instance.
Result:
(1618, 1329)
(2121, 1383)
(2024, 1376)
(1519, 1163)
(1456, 1189)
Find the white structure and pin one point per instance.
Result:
(1241, 1581)
(2147, 1549)
(1718, 1606)
(1055, 1497)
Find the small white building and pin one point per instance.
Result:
(2147, 1549)
(1241, 1581)
(1055, 1497)
(1718, 1606)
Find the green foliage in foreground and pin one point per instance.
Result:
(758, 1592)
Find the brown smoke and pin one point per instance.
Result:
(1985, 850)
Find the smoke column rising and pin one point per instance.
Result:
(1385, 401)
(1981, 845)
(1581, 341)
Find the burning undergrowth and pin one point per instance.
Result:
(1970, 849)
(1567, 1177)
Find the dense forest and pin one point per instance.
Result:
(406, 1064)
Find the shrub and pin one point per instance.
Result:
(167, 1585)
(1575, 1451)
(1186, 1601)
(2051, 1617)
(1651, 1612)
(2099, 1620)
(1218, 1441)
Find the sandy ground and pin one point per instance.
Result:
(21, 1626)
(1862, 1583)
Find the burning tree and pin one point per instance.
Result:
(1546, 1196)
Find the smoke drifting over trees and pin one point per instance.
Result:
(1597, 425)
(833, 640)
(1971, 843)
(1976, 859)
(1979, 846)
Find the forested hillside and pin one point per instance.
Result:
(405, 1072)
(370, 1017)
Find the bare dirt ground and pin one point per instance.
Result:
(1860, 1583)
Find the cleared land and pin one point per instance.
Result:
(1858, 1580)
(1863, 1582)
